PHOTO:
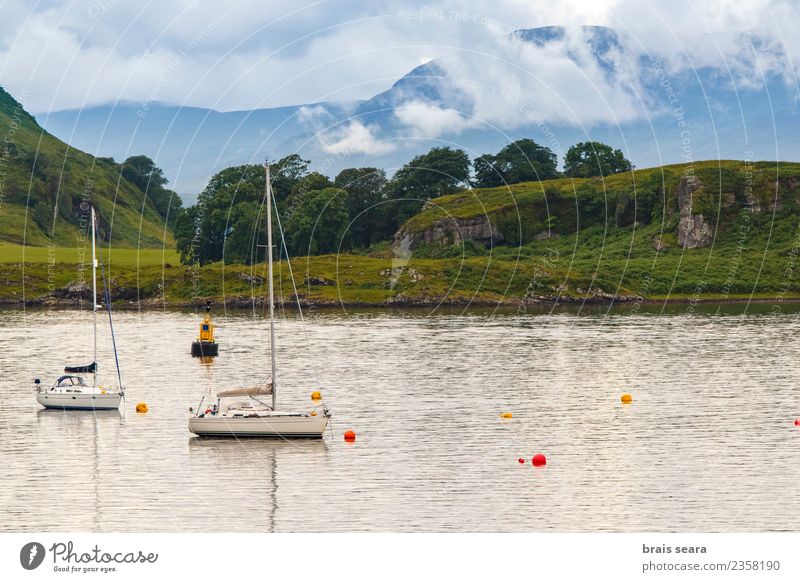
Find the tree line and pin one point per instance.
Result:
(360, 207)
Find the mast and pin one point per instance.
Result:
(271, 291)
(94, 296)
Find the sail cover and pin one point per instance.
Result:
(252, 391)
(90, 369)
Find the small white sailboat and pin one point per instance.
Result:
(243, 412)
(71, 391)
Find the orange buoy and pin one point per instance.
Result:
(141, 408)
(539, 460)
(626, 399)
(506, 415)
(316, 396)
(349, 436)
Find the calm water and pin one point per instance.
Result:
(708, 444)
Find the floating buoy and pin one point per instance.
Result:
(506, 415)
(141, 407)
(521, 461)
(626, 399)
(316, 396)
(539, 460)
(313, 413)
(349, 436)
(797, 422)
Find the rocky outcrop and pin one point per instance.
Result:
(693, 230)
(452, 231)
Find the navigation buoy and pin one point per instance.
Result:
(539, 460)
(141, 407)
(316, 396)
(350, 436)
(506, 415)
(205, 346)
(521, 461)
(797, 422)
(626, 399)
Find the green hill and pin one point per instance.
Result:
(703, 232)
(45, 185)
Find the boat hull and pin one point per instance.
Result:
(262, 426)
(69, 401)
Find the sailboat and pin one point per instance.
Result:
(71, 391)
(246, 412)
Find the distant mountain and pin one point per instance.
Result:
(46, 187)
(556, 85)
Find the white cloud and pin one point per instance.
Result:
(73, 53)
(353, 138)
(431, 121)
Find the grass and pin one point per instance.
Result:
(754, 254)
(122, 257)
(42, 177)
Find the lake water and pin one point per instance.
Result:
(707, 445)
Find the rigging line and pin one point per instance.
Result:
(107, 297)
(291, 276)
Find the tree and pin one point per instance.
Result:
(440, 172)
(286, 173)
(228, 220)
(143, 173)
(592, 158)
(520, 161)
(319, 224)
(364, 188)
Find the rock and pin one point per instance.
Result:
(316, 281)
(658, 243)
(73, 290)
(451, 231)
(252, 279)
(545, 235)
(693, 231)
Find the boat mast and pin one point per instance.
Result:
(94, 297)
(271, 291)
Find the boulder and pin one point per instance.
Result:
(452, 231)
(693, 230)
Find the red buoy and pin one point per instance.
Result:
(797, 422)
(350, 436)
(521, 460)
(539, 460)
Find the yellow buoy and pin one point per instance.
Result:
(626, 399)
(506, 415)
(316, 396)
(313, 413)
(141, 407)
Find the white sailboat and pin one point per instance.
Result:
(244, 412)
(71, 391)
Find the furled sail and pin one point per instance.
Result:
(90, 369)
(252, 391)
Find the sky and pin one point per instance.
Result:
(57, 55)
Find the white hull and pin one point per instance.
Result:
(278, 425)
(67, 401)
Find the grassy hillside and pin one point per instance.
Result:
(43, 183)
(563, 206)
(606, 243)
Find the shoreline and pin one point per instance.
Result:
(239, 302)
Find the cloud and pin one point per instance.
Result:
(353, 138)
(73, 53)
(431, 121)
